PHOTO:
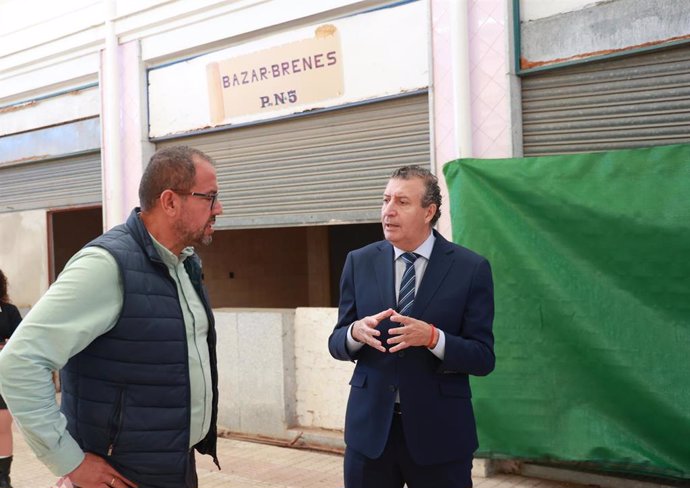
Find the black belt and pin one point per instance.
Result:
(396, 408)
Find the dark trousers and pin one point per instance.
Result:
(395, 467)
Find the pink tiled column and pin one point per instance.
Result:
(489, 81)
(489, 86)
(445, 145)
(444, 140)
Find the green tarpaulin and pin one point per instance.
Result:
(591, 262)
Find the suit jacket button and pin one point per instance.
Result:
(401, 354)
(391, 387)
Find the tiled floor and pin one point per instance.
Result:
(253, 465)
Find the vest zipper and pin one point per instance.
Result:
(116, 422)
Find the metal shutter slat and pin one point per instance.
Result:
(50, 184)
(638, 101)
(321, 168)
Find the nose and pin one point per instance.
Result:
(217, 208)
(388, 208)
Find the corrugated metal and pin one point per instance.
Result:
(638, 101)
(324, 168)
(50, 184)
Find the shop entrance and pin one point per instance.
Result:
(68, 231)
(281, 267)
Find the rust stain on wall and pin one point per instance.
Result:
(30, 159)
(79, 91)
(21, 106)
(527, 64)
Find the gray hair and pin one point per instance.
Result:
(433, 191)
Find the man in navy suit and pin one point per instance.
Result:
(416, 315)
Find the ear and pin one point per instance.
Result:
(430, 212)
(170, 202)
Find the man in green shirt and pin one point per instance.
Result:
(129, 323)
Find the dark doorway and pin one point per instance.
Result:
(281, 267)
(343, 239)
(68, 231)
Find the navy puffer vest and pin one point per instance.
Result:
(126, 396)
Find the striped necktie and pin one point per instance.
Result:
(407, 285)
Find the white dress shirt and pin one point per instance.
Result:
(424, 253)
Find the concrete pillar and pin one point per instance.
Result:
(124, 125)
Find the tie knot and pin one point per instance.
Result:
(409, 257)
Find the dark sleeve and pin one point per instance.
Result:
(14, 318)
(473, 352)
(347, 313)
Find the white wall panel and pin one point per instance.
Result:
(23, 255)
(238, 19)
(49, 79)
(76, 105)
(167, 37)
(322, 382)
(537, 9)
(28, 23)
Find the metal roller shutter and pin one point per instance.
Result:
(636, 101)
(49, 184)
(329, 167)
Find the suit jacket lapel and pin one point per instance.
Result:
(385, 279)
(439, 264)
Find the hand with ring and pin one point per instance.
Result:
(95, 472)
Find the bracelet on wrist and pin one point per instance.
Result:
(432, 339)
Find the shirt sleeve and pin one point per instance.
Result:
(353, 345)
(81, 305)
(439, 349)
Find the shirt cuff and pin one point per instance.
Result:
(66, 458)
(352, 345)
(440, 349)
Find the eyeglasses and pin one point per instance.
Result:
(208, 196)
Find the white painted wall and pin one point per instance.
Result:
(384, 53)
(322, 382)
(77, 105)
(221, 22)
(276, 375)
(537, 9)
(256, 371)
(23, 248)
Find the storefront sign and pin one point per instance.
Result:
(294, 74)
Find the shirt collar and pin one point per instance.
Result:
(167, 256)
(423, 250)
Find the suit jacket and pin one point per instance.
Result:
(455, 295)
